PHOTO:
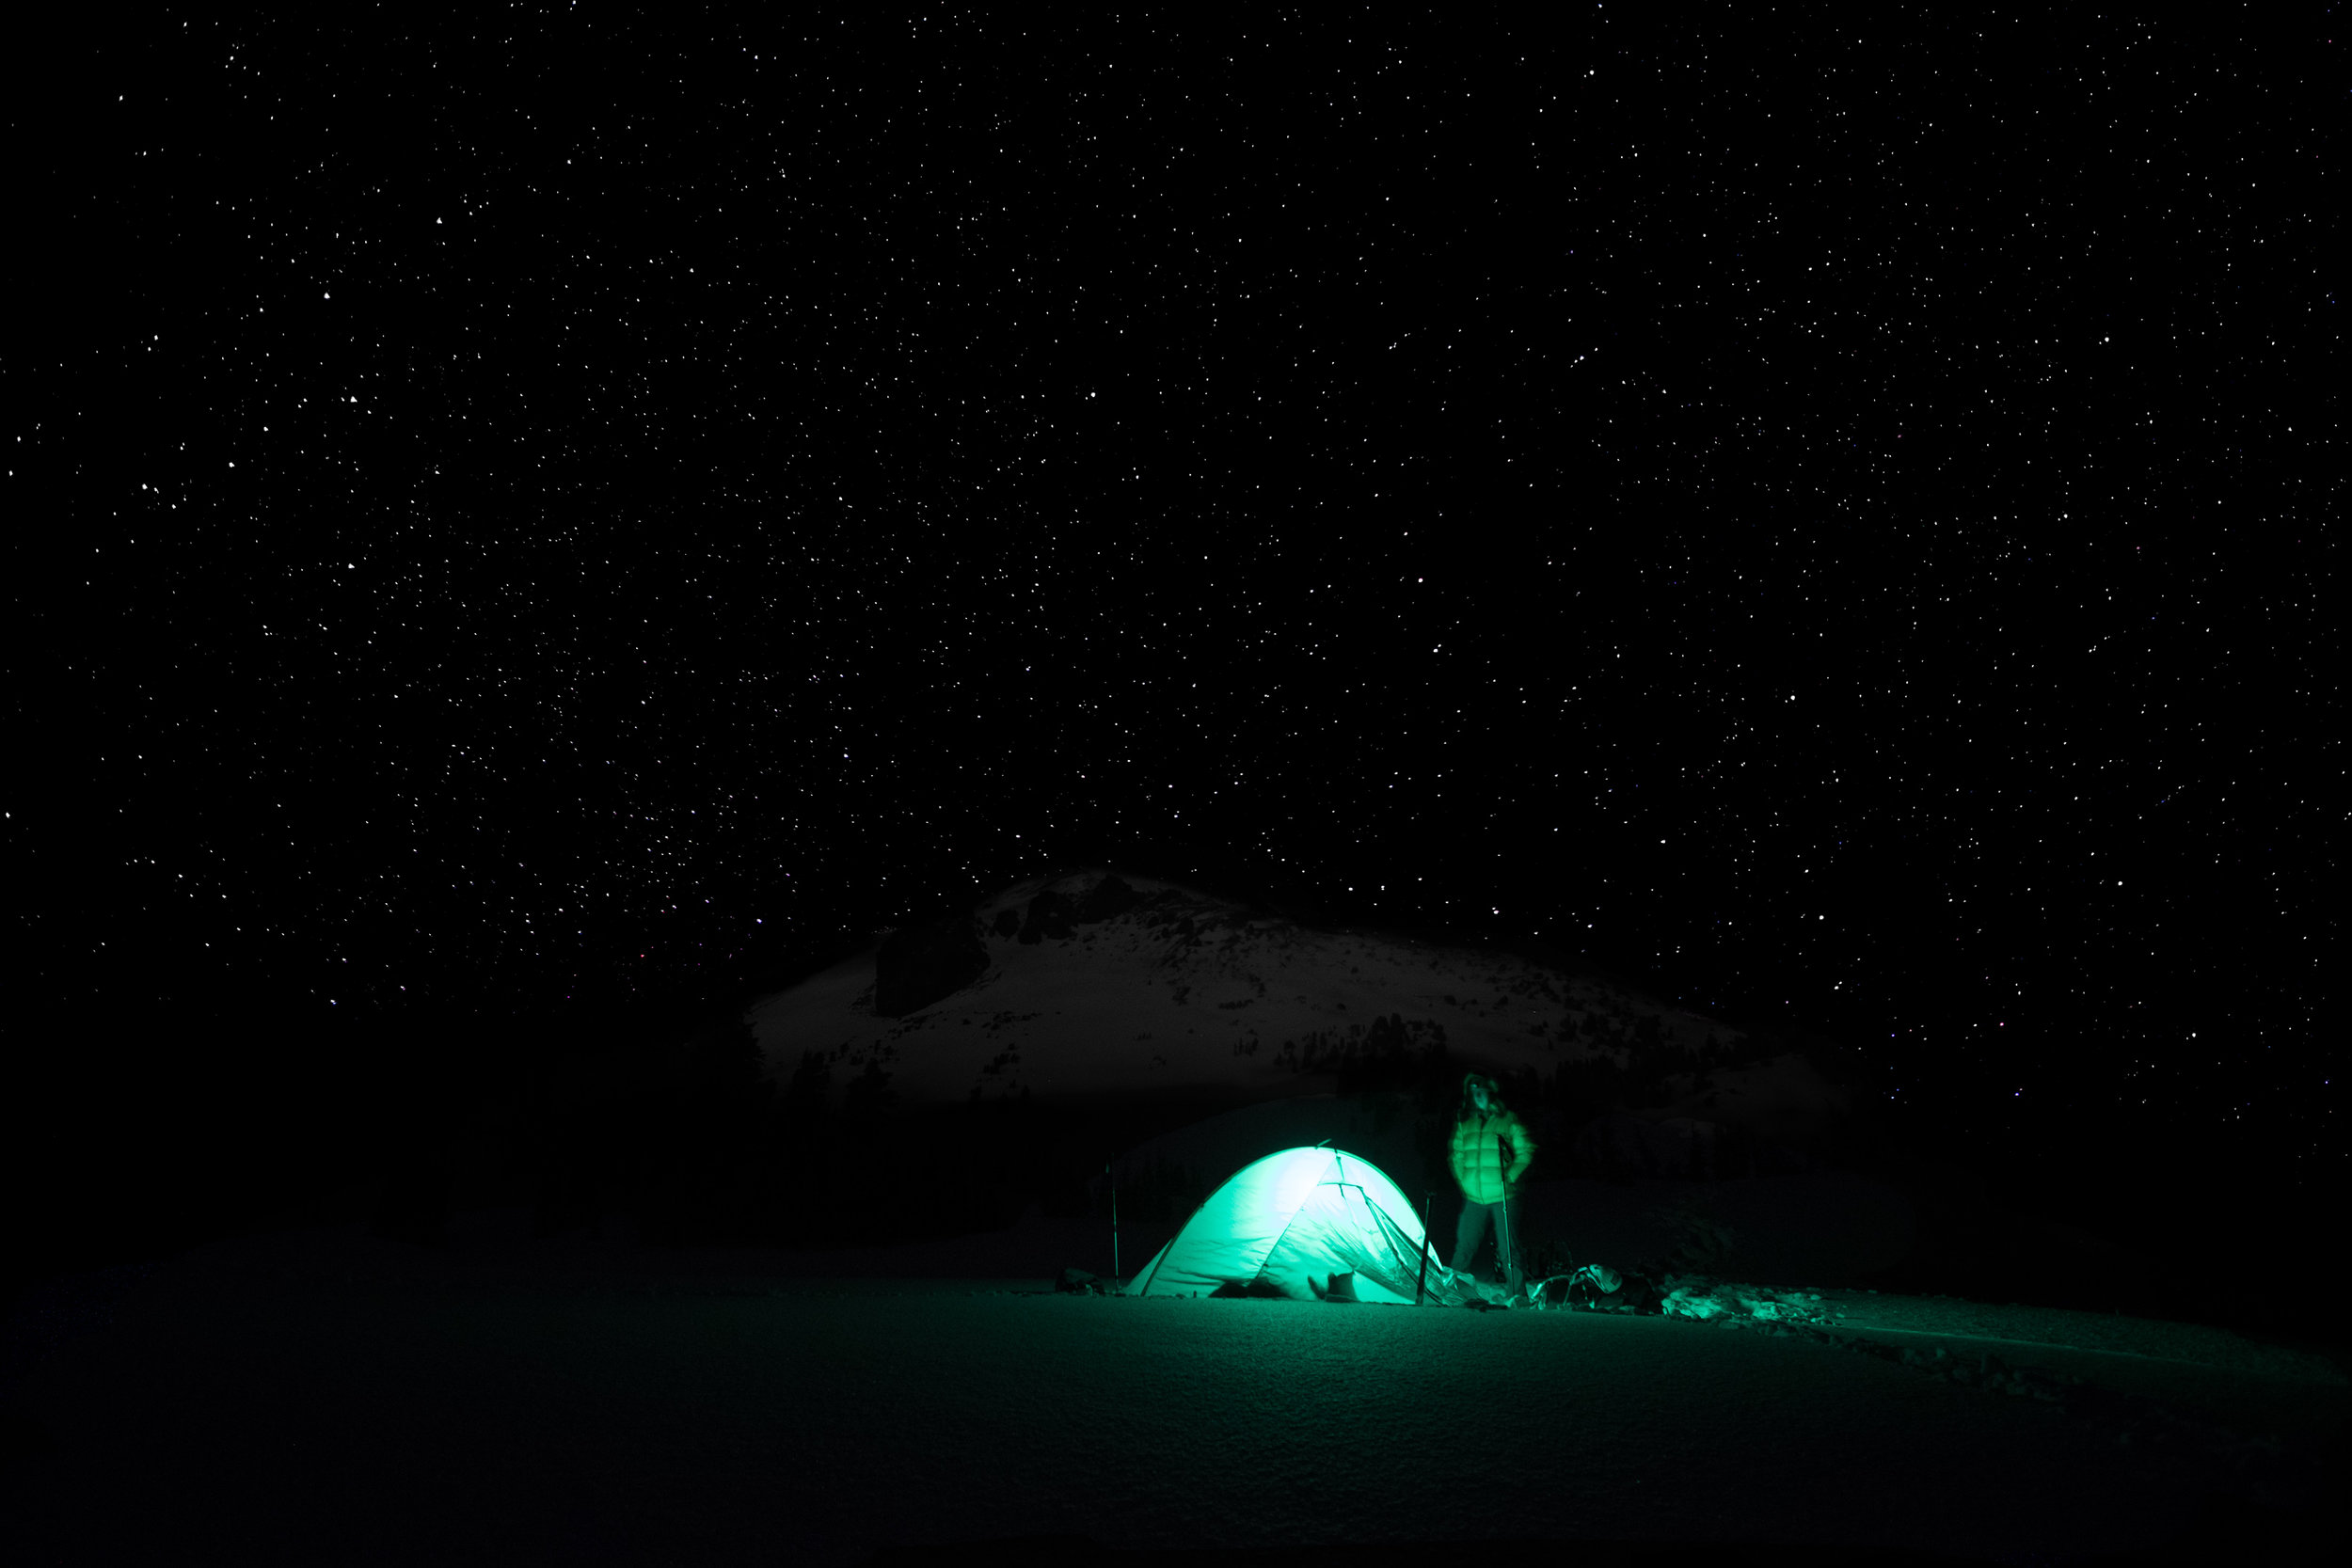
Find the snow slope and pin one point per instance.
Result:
(1184, 989)
(270, 1402)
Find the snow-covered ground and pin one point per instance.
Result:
(1184, 989)
(321, 1397)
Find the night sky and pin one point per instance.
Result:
(1834, 512)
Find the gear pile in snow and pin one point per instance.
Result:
(1704, 1299)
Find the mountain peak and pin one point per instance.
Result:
(1098, 981)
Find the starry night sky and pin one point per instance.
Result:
(1833, 513)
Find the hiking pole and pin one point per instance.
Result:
(1503, 1255)
(1421, 1284)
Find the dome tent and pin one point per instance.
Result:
(1294, 1222)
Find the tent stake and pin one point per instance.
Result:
(1421, 1284)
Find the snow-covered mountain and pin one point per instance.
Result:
(1098, 983)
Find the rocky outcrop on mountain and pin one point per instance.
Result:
(1107, 898)
(1053, 912)
(918, 965)
(1050, 915)
(1620, 1144)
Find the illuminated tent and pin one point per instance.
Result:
(1294, 1222)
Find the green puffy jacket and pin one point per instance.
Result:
(1491, 1152)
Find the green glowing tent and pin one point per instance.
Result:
(1296, 1221)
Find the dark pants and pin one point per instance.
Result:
(1470, 1233)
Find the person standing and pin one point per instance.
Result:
(1491, 1151)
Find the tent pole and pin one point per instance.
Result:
(1106, 1171)
(1421, 1285)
